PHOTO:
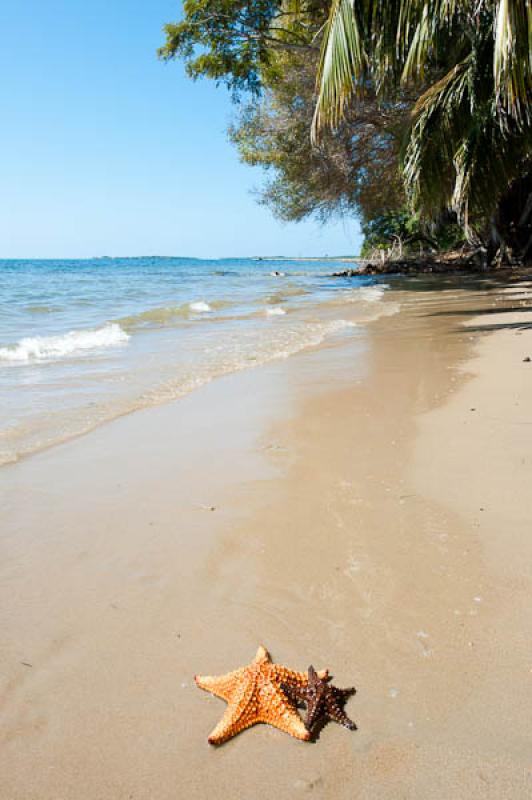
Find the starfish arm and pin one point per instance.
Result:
(220, 685)
(314, 711)
(277, 711)
(337, 713)
(234, 720)
(262, 656)
(342, 718)
(241, 711)
(346, 693)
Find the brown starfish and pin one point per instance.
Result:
(254, 694)
(323, 700)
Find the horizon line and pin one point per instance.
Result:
(188, 258)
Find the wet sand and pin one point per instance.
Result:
(365, 507)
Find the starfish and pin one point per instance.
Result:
(254, 694)
(323, 700)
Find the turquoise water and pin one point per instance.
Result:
(82, 342)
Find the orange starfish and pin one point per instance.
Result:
(254, 694)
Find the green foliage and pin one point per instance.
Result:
(400, 42)
(471, 128)
(235, 41)
(425, 106)
(388, 229)
(352, 170)
(462, 153)
(342, 58)
(405, 231)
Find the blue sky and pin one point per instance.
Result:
(105, 150)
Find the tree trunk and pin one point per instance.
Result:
(511, 228)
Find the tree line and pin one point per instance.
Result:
(414, 116)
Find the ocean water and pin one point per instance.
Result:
(83, 342)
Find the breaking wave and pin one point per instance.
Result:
(200, 307)
(164, 316)
(43, 348)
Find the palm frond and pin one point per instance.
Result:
(431, 148)
(465, 127)
(512, 58)
(342, 64)
(417, 38)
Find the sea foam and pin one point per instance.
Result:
(200, 306)
(42, 348)
(371, 294)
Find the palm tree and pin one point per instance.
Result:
(470, 134)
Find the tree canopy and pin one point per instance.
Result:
(236, 41)
(371, 106)
(470, 130)
(351, 170)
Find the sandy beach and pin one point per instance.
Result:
(363, 506)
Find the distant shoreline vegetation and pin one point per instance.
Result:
(419, 125)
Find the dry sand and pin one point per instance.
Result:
(365, 507)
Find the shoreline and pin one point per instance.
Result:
(69, 366)
(452, 262)
(341, 534)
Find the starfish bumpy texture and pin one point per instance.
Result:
(255, 694)
(323, 700)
